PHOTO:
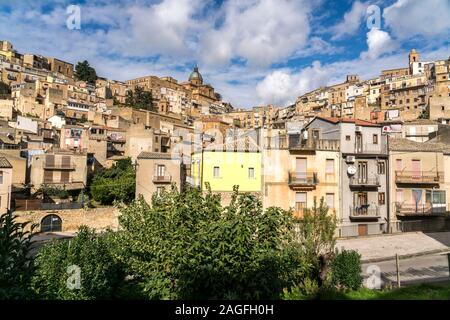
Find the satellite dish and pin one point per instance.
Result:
(351, 170)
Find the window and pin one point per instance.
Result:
(1, 177)
(347, 138)
(329, 168)
(160, 170)
(216, 172)
(251, 173)
(329, 199)
(381, 167)
(300, 201)
(398, 165)
(375, 139)
(435, 196)
(381, 198)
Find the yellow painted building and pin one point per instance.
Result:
(226, 167)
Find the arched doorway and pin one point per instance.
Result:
(51, 223)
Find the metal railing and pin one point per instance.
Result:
(365, 181)
(370, 148)
(365, 211)
(419, 209)
(431, 177)
(295, 143)
(303, 178)
(162, 178)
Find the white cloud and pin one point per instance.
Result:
(379, 42)
(259, 31)
(163, 28)
(165, 37)
(351, 22)
(281, 87)
(409, 18)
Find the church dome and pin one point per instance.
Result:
(195, 76)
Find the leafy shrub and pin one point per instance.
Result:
(186, 246)
(99, 274)
(346, 270)
(308, 289)
(16, 266)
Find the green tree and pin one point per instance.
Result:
(16, 266)
(84, 72)
(186, 246)
(317, 235)
(139, 99)
(115, 184)
(100, 275)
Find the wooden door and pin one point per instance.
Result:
(359, 142)
(362, 172)
(362, 229)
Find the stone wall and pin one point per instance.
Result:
(96, 218)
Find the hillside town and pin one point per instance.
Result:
(377, 151)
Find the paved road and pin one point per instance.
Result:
(386, 246)
(422, 269)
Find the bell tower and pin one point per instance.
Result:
(414, 56)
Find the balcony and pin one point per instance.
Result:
(370, 148)
(419, 177)
(297, 144)
(420, 209)
(60, 166)
(306, 180)
(162, 178)
(364, 182)
(364, 212)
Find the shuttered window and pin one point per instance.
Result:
(329, 168)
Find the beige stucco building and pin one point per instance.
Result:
(59, 169)
(157, 171)
(419, 179)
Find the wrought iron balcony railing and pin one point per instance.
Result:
(419, 177)
(162, 178)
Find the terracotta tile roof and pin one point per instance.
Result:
(403, 144)
(244, 144)
(358, 122)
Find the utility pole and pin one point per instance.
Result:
(398, 270)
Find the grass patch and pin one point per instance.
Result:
(418, 292)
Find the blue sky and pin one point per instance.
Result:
(253, 52)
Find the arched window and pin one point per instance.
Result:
(51, 223)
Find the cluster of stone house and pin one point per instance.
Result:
(371, 180)
(376, 151)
